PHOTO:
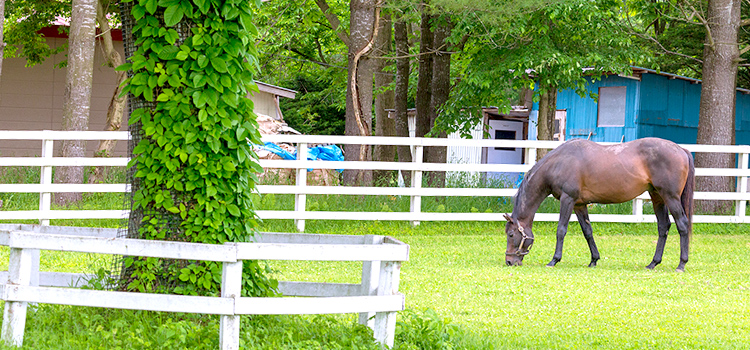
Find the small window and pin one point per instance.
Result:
(611, 106)
(505, 135)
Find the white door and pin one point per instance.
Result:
(505, 130)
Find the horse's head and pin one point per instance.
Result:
(520, 240)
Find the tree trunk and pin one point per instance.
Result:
(384, 126)
(545, 127)
(424, 80)
(77, 98)
(117, 102)
(400, 104)
(363, 29)
(2, 29)
(717, 105)
(441, 72)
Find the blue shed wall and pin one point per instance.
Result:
(655, 106)
(669, 108)
(742, 115)
(582, 113)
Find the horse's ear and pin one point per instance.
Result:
(507, 217)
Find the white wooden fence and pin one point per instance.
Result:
(376, 298)
(301, 189)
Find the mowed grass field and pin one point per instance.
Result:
(458, 270)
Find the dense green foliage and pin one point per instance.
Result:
(552, 47)
(23, 21)
(298, 50)
(195, 170)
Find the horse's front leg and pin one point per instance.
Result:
(583, 218)
(566, 208)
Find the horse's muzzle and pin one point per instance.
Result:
(513, 260)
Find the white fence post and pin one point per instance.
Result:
(416, 182)
(531, 156)
(45, 198)
(742, 184)
(45, 204)
(14, 314)
(301, 199)
(638, 207)
(370, 278)
(231, 287)
(385, 322)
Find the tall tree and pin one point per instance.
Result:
(384, 98)
(363, 23)
(440, 91)
(2, 42)
(193, 172)
(423, 98)
(718, 93)
(116, 107)
(77, 97)
(401, 90)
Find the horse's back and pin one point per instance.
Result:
(615, 173)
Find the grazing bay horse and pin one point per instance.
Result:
(580, 172)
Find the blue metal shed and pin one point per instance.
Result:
(645, 104)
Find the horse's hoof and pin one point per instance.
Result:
(592, 264)
(650, 266)
(680, 269)
(552, 263)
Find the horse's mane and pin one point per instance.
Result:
(519, 200)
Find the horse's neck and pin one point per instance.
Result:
(533, 196)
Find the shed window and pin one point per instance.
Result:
(611, 106)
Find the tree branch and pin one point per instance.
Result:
(333, 20)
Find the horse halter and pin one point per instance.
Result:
(524, 238)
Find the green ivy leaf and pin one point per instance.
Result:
(233, 209)
(219, 64)
(173, 15)
(150, 6)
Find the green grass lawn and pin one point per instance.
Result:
(618, 304)
(458, 270)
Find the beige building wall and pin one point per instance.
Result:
(264, 103)
(31, 98)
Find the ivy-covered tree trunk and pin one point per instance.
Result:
(718, 93)
(401, 91)
(193, 171)
(77, 99)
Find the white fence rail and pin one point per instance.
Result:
(376, 298)
(301, 189)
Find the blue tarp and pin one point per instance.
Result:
(330, 152)
(272, 147)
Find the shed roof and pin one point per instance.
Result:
(638, 71)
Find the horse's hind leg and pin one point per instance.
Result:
(583, 218)
(662, 218)
(683, 226)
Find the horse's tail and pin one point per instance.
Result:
(687, 192)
